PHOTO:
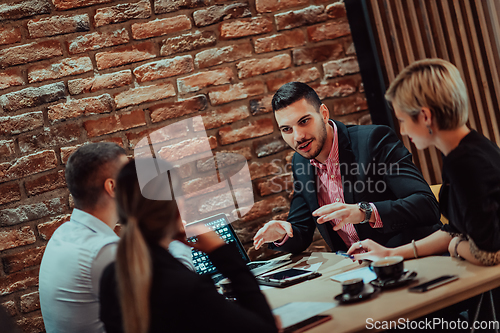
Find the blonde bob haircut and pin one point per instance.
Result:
(435, 84)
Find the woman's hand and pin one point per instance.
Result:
(207, 241)
(373, 250)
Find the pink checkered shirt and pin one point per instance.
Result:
(331, 191)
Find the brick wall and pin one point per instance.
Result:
(77, 71)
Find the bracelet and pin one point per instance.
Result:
(414, 248)
(456, 255)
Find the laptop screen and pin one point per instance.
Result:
(220, 224)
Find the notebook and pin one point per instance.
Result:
(221, 225)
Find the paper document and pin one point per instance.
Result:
(295, 312)
(364, 273)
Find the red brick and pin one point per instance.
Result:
(261, 105)
(9, 192)
(235, 92)
(18, 281)
(10, 35)
(267, 6)
(187, 42)
(81, 107)
(125, 55)
(157, 135)
(349, 105)
(259, 170)
(67, 151)
(160, 112)
(340, 88)
(276, 184)
(254, 129)
(184, 149)
(365, 119)
(167, 6)
(115, 123)
(31, 324)
(11, 125)
(264, 207)
(341, 67)
(336, 10)
(164, 68)
(122, 12)
(144, 94)
(30, 302)
(202, 80)
(358, 118)
(10, 308)
(26, 53)
(225, 200)
(100, 82)
(350, 49)
(245, 27)
(329, 30)
(224, 158)
(300, 75)
(280, 41)
(21, 260)
(32, 97)
(217, 13)
(117, 140)
(60, 68)
(58, 25)
(50, 137)
(25, 8)
(45, 183)
(14, 238)
(297, 18)
(160, 27)
(11, 77)
(317, 54)
(269, 146)
(68, 4)
(46, 229)
(224, 115)
(28, 165)
(97, 40)
(7, 148)
(253, 67)
(25, 213)
(203, 185)
(212, 57)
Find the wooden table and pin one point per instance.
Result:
(389, 304)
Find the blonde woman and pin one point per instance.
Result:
(157, 293)
(430, 101)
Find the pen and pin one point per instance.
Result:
(344, 254)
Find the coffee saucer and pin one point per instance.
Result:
(404, 279)
(368, 291)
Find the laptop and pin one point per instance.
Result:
(221, 225)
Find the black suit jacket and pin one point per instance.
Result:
(183, 301)
(375, 167)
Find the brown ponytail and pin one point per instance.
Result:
(134, 269)
(145, 222)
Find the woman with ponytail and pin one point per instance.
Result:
(148, 290)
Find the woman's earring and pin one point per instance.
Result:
(430, 130)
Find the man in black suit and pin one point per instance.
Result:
(352, 182)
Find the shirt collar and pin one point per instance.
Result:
(91, 222)
(329, 160)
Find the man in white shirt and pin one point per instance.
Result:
(81, 248)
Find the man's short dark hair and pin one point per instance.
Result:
(292, 92)
(87, 170)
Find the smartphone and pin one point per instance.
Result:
(421, 288)
(287, 277)
(307, 324)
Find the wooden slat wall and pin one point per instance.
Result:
(464, 32)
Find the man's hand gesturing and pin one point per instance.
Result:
(272, 231)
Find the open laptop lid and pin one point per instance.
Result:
(220, 224)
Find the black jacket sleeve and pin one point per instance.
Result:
(415, 205)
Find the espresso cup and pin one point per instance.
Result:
(388, 268)
(352, 286)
